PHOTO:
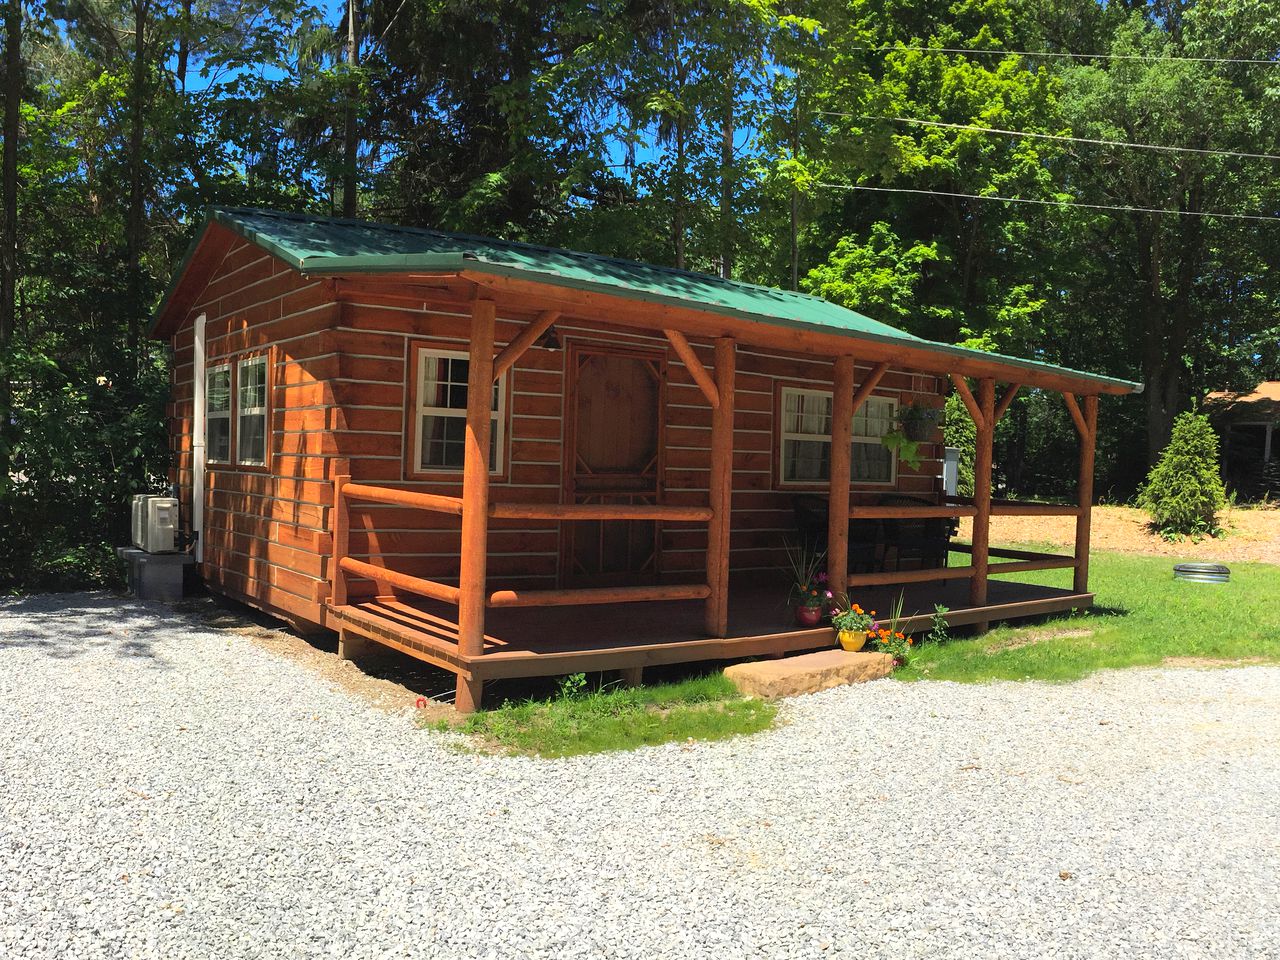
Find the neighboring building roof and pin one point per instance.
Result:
(330, 246)
(1263, 400)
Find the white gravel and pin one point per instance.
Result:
(172, 791)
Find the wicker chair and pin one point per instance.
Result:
(865, 543)
(923, 541)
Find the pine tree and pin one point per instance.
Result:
(1184, 490)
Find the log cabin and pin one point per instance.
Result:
(509, 460)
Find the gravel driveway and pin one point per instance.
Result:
(167, 790)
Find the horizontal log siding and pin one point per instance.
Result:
(373, 430)
(265, 530)
(340, 390)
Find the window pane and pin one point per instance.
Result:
(444, 382)
(251, 441)
(443, 443)
(872, 463)
(875, 418)
(218, 390)
(218, 439)
(806, 460)
(253, 383)
(806, 413)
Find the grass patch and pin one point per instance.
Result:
(1143, 617)
(578, 720)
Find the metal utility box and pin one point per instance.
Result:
(155, 523)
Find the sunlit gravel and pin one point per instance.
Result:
(171, 791)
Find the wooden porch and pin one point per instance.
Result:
(470, 627)
(555, 640)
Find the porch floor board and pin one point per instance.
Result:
(548, 641)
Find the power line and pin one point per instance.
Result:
(1058, 137)
(1270, 62)
(1049, 203)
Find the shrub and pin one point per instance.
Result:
(1184, 490)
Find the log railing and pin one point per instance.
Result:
(1014, 561)
(345, 492)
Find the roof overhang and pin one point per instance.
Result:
(630, 306)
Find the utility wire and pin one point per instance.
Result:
(1049, 203)
(1054, 136)
(1270, 62)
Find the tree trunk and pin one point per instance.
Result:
(677, 216)
(135, 215)
(351, 132)
(13, 86)
(726, 177)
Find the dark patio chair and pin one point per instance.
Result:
(924, 542)
(811, 512)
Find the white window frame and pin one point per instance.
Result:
(211, 415)
(258, 411)
(499, 417)
(785, 435)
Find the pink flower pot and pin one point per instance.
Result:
(808, 616)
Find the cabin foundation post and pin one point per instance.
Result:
(631, 676)
(983, 453)
(840, 475)
(351, 646)
(473, 560)
(720, 497)
(1088, 446)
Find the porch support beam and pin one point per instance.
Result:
(1082, 428)
(970, 404)
(720, 496)
(696, 370)
(841, 468)
(1088, 446)
(1003, 406)
(475, 500)
(985, 419)
(522, 341)
(867, 385)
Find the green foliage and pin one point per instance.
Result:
(578, 721)
(1184, 490)
(1143, 616)
(725, 136)
(958, 431)
(939, 629)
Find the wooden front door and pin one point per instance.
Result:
(613, 454)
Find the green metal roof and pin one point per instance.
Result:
(324, 245)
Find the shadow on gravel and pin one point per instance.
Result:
(69, 625)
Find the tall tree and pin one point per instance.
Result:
(13, 92)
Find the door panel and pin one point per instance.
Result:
(613, 454)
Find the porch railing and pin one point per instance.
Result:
(345, 492)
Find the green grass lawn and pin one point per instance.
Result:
(618, 718)
(1142, 617)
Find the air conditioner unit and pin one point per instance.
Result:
(155, 523)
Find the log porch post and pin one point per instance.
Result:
(1088, 445)
(840, 474)
(475, 500)
(341, 526)
(721, 490)
(986, 422)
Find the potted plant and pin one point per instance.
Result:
(852, 625)
(890, 638)
(918, 421)
(810, 598)
(904, 448)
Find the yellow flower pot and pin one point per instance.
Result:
(851, 640)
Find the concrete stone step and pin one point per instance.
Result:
(809, 673)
